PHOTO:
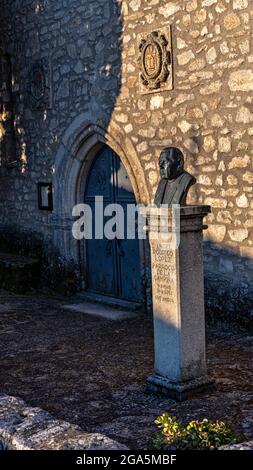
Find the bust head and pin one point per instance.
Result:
(171, 163)
(175, 181)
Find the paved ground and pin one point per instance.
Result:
(91, 371)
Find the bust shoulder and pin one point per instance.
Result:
(188, 178)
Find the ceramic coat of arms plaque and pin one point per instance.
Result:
(39, 86)
(155, 60)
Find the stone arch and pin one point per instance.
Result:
(80, 144)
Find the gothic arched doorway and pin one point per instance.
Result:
(112, 266)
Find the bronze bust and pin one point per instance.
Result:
(175, 181)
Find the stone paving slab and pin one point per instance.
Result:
(243, 446)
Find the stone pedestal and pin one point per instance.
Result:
(178, 304)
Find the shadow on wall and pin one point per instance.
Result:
(228, 275)
(85, 48)
(78, 44)
(228, 270)
(228, 283)
(78, 47)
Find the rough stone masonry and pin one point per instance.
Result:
(88, 51)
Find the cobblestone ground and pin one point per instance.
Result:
(91, 372)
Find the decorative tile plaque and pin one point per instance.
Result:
(40, 85)
(155, 59)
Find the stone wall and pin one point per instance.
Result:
(90, 54)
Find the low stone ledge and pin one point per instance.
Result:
(243, 446)
(18, 273)
(10, 260)
(26, 428)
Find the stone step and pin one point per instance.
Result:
(18, 273)
(99, 310)
(107, 300)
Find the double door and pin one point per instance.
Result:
(113, 265)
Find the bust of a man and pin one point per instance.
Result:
(175, 181)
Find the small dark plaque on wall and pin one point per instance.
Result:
(155, 59)
(39, 85)
(45, 196)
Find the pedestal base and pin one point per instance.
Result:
(178, 391)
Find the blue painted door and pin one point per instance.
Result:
(113, 266)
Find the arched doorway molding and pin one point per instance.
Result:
(80, 144)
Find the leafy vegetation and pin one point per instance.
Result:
(197, 435)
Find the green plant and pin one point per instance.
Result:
(197, 435)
